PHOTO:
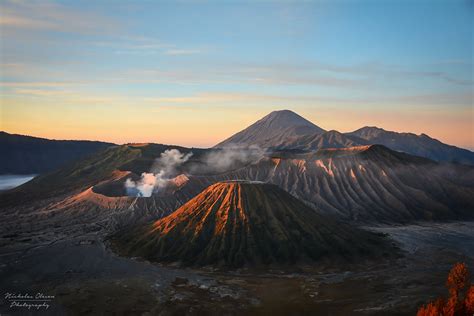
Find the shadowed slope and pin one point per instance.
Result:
(25, 154)
(246, 223)
(330, 139)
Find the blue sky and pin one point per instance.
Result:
(77, 69)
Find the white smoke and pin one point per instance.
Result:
(143, 187)
(163, 170)
(226, 158)
(165, 167)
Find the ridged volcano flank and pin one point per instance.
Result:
(330, 139)
(239, 223)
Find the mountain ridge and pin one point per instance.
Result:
(306, 136)
(22, 154)
(328, 139)
(420, 145)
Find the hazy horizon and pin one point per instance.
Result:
(184, 145)
(194, 73)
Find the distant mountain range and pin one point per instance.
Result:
(277, 131)
(34, 155)
(287, 130)
(419, 145)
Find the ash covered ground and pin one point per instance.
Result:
(85, 277)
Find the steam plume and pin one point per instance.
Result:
(226, 158)
(162, 170)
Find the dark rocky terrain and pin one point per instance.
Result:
(86, 278)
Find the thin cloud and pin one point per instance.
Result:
(24, 22)
(152, 49)
(130, 45)
(41, 84)
(367, 76)
(210, 98)
(36, 17)
(42, 92)
(139, 52)
(175, 52)
(267, 75)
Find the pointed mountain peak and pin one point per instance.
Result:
(271, 130)
(287, 115)
(282, 113)
(285, 118)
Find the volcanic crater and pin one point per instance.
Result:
(247, 223)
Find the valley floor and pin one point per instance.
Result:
(85, 277)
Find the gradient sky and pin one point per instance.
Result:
(194, 72)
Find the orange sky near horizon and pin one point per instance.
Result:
(202, 126)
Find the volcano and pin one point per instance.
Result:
(246, 223)
(272, 130)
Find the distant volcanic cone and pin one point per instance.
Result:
(241, 223)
